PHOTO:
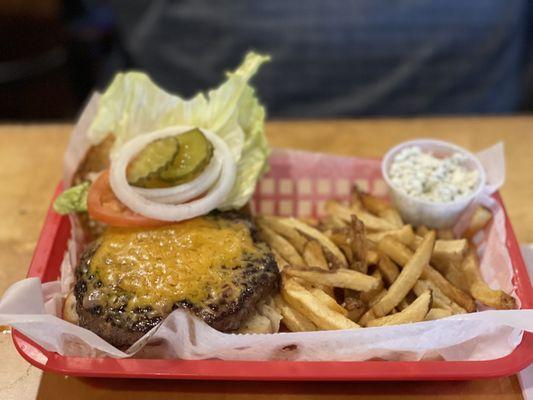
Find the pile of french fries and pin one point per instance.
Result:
(361, 266)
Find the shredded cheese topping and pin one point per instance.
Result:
(191, 260)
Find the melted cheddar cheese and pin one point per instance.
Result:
(191, 261)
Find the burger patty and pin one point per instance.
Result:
(129, 280)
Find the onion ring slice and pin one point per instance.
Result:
(171, 212)
(186, 191)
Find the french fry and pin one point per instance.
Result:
(340, 237)
(341, 278)
(282, 246)
(454, 272)
(440, 300)
(280, 261)
(369, 314)
(358, 245)
(416, 312)
(331, 222)
(311, 221)
(445, 234)
(452, 292)
(403, 304)
(366, 296)
(355, 307)
(362, 202)
(397, 251)
(356, 201)
(308, 305)
(373, 204)
(453, 307)
(407, 278)
(437, 313)
(453, 250)
(344, 213)
(446, 254)
(401, 254)
(382, 209)
(257, 323)
(292, 319)
(314, 256)
(331, 251)
(404, 235)
(411, 296)
(328, 301)
(389, 270)
(421, 286)
(351, 240)
(421, 230)
(367, 317)
(480, 290)
(393, 216)
(269, 310)
(480, 218)
(372, 257)
(374, 300)
(292, 235)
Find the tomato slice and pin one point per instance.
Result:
(104, 206)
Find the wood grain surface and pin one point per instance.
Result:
(30, 167)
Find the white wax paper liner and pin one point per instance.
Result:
(298, 183)
(478, 336)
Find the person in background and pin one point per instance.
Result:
(335, 58)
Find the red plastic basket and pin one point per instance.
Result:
(45, 265)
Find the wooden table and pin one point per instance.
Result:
(30, 167)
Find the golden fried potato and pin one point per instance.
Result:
(328, 301)
(480, 290)
(440, 300)
(314, 256)
(404, 235)
(415, 312)
(341, 278)
(282, 246)
(437, 313)
(382, 209)
(401, 255)
(389, 270)
(292, 319)
(408, 276)
(304, 302)
(480, 218)
(345, 214)
(331, 251)
(292, 235)
(355, 307)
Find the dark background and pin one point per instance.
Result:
(331, 58)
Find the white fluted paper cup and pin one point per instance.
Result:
(435, 215)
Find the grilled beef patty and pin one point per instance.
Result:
(131, 279)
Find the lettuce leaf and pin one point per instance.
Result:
(133, 105)
(73, 199)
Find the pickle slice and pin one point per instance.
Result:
(152, 160)
(153, 182)
(194, 154)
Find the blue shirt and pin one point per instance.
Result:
(336, 57)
